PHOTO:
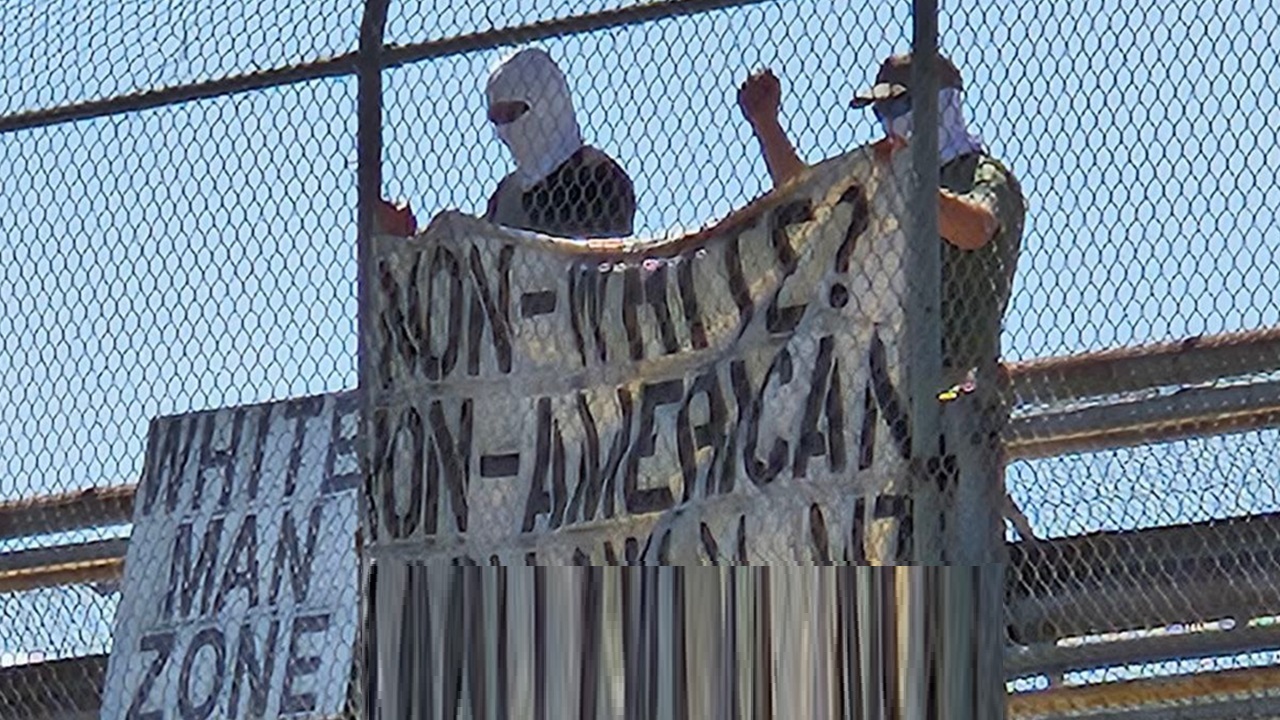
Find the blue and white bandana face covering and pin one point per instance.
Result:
(954, 139)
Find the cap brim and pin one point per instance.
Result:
(878, 93)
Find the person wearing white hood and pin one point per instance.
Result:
(560, 186)
(981, 210)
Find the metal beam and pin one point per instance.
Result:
(93, 507)
(1190, 361)
(1251, 692)
(1133, 579)
(345, 64)
(1057, 659)
(1196, 412)
(97, 561)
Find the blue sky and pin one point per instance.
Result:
(203, 255)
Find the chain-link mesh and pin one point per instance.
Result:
(158, 262)
(197, 256)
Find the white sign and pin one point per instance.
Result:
(241, 580)
(731, 396)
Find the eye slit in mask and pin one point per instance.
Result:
(503, 113)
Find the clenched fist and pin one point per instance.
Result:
(397, 219)
(760, 96)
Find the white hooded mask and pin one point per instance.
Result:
(954, 139)
(547, 134)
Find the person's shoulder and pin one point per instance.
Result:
(491, 208)
(991, 169)
(591, 156)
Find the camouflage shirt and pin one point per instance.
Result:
(976, 283)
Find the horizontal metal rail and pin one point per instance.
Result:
(94, 507)
(1059, 659)
(97, 561)
(1134, 579)
(345, 64)
(1190, 361)
(1196, 412)
(1251, 693)
(1199, 411)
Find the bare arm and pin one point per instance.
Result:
(967, 225)
(759, 97)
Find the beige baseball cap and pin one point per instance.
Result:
(894, 80)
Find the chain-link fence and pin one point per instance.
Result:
(180, 221)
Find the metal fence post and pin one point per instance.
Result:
(368, 194)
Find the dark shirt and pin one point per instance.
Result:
(589, 195)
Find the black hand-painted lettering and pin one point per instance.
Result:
(162, 645)
(710, 434)
(689, 303)
(652, 396)
(297, 667)
(452, 459)
(893, 406)
(496, 310)
(709, 545)
(408, 428)
(167, 464)
(188, 709)
(586, 493)
(587, 287)
(500, 466)
(299, 559)
(259, 450)
(537, 302)
(343, 431)
(186, 578)
(738, 287)
(819, 539)
(394, 325)
(741, 545)
(538, 502)
(856, 552)
(632, 297)
(259, 673)
(620, 449)
(219, 460)
(823, 398)
(853, 195)
(241, 570)
(655, 293)
(437, 366)
(781, 320)
(763, 472)
(300, 412)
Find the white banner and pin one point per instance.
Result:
(727, 397)
(240, 589)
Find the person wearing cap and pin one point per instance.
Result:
(560, 185)
(981, 210)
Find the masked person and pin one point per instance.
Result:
(560, 186)
(980, 218)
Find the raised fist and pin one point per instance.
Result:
(760, 96)
(397, 219)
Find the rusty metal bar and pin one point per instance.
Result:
(89, 562)
(1251, 692)
(1058, 659)
(1196, 412)
(345, 63)
(93, 507)
(1133, 579)
(1190, 361)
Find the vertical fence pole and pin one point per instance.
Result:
(916, 588)
(368, 194)
(924, 291)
